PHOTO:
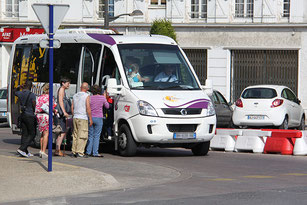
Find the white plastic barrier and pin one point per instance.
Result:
(300, 146)
(252, 140)
(225, 139)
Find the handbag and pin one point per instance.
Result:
(22, 109)
(19, 121)
(45, 108)
(56, 129)
(67, 105)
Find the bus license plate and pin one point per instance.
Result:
(184, 135)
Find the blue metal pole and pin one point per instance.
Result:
(50, 87)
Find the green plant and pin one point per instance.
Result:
(163, 27)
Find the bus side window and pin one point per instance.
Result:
(90, 61)
(87, 67)
(109, 67)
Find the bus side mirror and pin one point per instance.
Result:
(114, 89)
(208, 88)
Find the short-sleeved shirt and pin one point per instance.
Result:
(22, 96)
(97, 103)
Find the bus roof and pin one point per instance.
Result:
(97, 35)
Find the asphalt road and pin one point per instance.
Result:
(219, 178)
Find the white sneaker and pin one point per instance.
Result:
(44, 155)
(40, 153)
(30, 154)
(22, 153)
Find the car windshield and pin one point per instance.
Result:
(3, 94)
(263, 93)
(156, 67)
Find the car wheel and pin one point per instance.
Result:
(284, 125)
(126, 144)
(201, 149)
(231, 125)
(302, 125)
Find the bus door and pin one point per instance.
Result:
(109, 69)
(89, 63)
(20, 74)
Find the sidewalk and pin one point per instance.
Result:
(28, 178)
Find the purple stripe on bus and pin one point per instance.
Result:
(197, 100)
(102, 38)
(199, 105)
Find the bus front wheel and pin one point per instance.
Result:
(201, 149)
(126, 144)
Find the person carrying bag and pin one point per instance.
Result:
(27, 118)
(42, 115)
(64, 109)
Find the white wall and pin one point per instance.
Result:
(4, 57)
(302, 74)
(221, 41)
(218, 70)
(219, 11)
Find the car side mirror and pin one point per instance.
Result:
(114, 89)
(298, 101)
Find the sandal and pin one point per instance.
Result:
(58, 153)
(98, 155)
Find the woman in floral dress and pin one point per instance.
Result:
(41, 111)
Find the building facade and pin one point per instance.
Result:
(235, 43)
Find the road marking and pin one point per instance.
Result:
(295, 174)
(258, 177)
(222, 179)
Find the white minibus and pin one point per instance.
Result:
(157, 98)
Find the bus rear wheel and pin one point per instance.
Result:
(126, 144)
(201, 149)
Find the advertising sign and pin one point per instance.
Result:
(11, 34)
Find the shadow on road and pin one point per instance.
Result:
(163, 152)
(30, 160)
(11, 141)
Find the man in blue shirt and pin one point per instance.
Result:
(166, 75)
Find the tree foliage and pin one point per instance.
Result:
(163, 27)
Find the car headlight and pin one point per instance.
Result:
(210, 109)
(146, 109)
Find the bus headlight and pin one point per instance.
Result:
(210, 109)
(146, 109)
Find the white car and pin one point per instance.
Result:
(269, 105)
(3, 105)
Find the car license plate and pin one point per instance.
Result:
(184, 135)
(3, 114)
(255, 117)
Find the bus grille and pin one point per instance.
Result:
(178, 111)
(182, 127)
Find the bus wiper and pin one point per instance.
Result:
(172, 87)
(182, 87)
(142, 87)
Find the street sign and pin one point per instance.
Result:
(44, 43)
(42, 13)
(51, 17)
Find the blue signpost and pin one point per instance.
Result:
(50, 23)
(50, 87)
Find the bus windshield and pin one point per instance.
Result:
(156, 67)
